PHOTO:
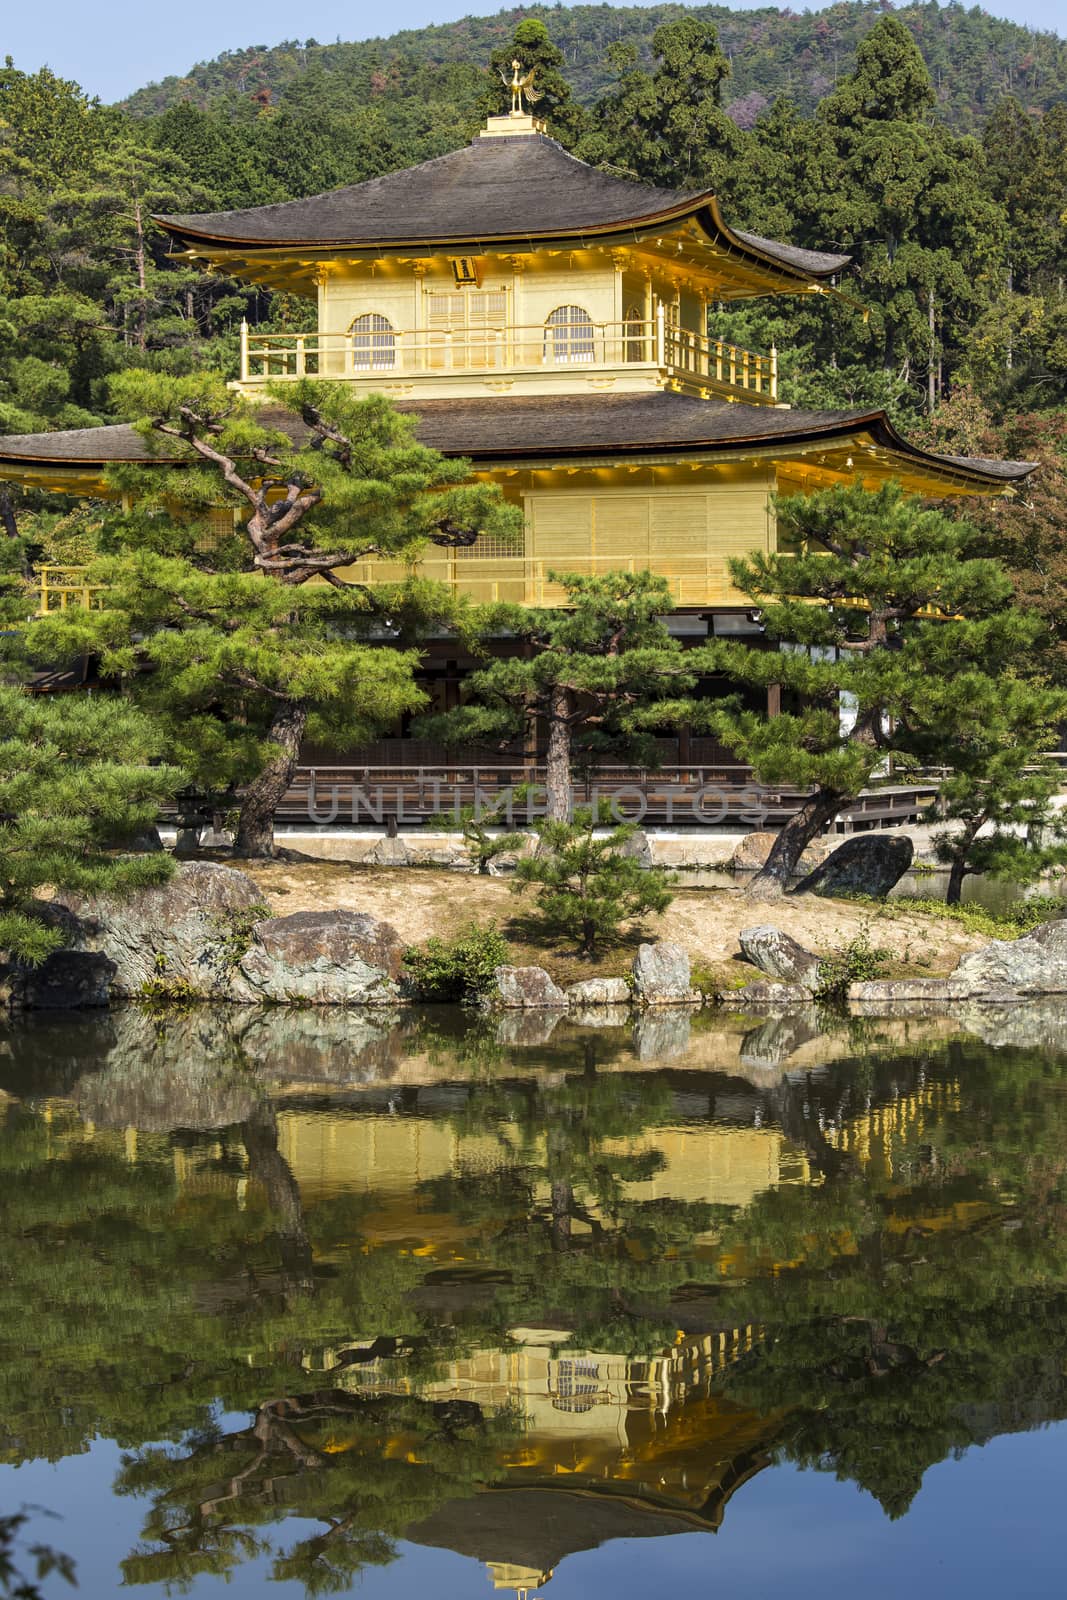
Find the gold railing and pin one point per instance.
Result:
(60, 587)
(382, 354)
(693, 579)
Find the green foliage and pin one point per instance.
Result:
(485, 830)
(1020, 917)
(859, 961)
(74, 774)
(233, 932)
(587, 882)
(460, 968)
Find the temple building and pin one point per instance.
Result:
(550, 321)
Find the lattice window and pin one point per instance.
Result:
(569, 335)
(491, 547)
(373, 343)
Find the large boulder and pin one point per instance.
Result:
(752, 852)
(344, 958)
(1034, 964)
(179, 935)
(779, 955)
(868, 864)
(661, 976)
(67, 980)
(522, 988)
(600, 992)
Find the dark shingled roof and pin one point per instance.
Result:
(511, 189)
(503, 428)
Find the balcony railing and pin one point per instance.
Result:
(693, 579)
(383, 354)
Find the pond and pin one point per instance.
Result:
(294, 1303)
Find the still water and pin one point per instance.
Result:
(296, 1304)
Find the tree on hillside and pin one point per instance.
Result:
(242, 642)
(668, 126)
(883, 596)
(599, 676)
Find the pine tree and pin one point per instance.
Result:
(588, 884)
(599, 675)
(243, 643)
(883, 603)
(75, 776)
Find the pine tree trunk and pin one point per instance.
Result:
(255, 823)
(773, 878)
(558, 760)
(957, 873)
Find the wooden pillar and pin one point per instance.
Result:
(774, 700)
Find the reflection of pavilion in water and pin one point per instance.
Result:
(611, 1446)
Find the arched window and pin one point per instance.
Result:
(569, 335)
(373, 343)
(633, 331)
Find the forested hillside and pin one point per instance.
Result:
(972, 57)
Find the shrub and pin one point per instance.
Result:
(859, 961)
(456, 969)
(589, 886)
(1022, 916)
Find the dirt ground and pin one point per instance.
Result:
(420, 901)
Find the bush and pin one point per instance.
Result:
(456, 969)
(859, 962)
(1022, 916)
(589, 886)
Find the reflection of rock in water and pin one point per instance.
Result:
(184, 1073)
(1028, 1024)
(600, 1017)
(326, 1045)
(661, 1035)
(527, 1027)
(775, 1040)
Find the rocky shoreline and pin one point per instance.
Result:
(208, 936)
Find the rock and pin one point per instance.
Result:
(175, 934)
(778, 955)
(661, 976)
(503, 865)
(388, 853)
(868, 864)
(752, 852)
(639, 846)
(600, 992)
(67, 980)
(768, 994)
(519, 988)
(344, 958)
(1034, 964)
(892, 991)
(661, 1035)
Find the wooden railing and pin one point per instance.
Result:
(721, 794)
(377, 356)
(60, 587)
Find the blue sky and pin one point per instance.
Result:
(115, 46)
